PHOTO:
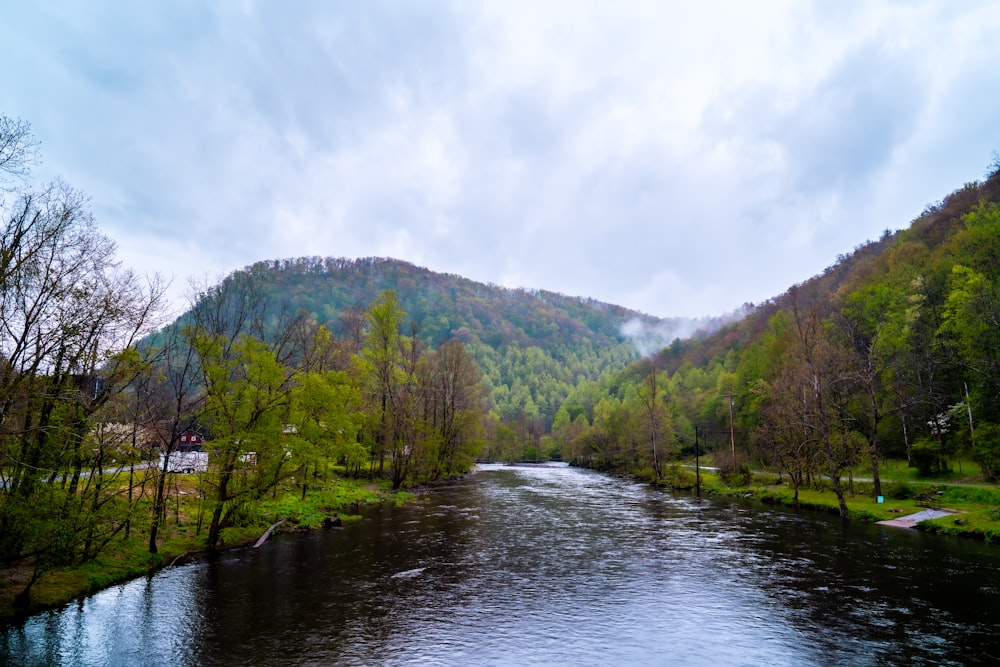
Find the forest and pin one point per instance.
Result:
(889, 352)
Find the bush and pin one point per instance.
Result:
(679, 478)
(899, 491)
(741, 476)
(987, 453)
(768, 479)
(864, 488)
(927, 458)
(863, 515)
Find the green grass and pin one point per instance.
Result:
(978, 507)
(970, 496)
(963, 470)
(983, 524)
(860, 507)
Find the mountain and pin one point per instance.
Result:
(443, 305)
(532, 346)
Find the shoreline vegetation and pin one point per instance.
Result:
(973, 505)
(185, 539)
(976, 508)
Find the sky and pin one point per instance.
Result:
(677, 158)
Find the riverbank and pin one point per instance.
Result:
(183, 539)
(973, 511)
(963, 509)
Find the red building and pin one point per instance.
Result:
(189, 441)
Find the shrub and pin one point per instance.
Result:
(864, 488)
(863, 515)
(927, 458)
(679, 477)
(987, 453)
(899, 491)
(741, 476)
(768, 479)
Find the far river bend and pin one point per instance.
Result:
(546, 566)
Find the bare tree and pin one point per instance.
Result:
(18, 149)
(818, 370)
(454, 405)
(70, 316)
(168, 401)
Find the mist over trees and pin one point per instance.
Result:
(530, 347)
(887, 352)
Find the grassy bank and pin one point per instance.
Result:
(975, 503)
(184, 537)
(977, 509)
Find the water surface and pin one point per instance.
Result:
(550, 565)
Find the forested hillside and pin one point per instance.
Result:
(532, 346)
(894, 350)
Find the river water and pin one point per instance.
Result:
(550, 565)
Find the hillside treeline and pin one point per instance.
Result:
(893, 351)
(532, 347)
(93, 407)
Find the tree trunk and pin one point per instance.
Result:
(876, 478)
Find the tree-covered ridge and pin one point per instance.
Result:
(443, 305)
(933, 227)
(531, 346)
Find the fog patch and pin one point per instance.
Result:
(648, 337)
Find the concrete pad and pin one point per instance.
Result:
(911, 520)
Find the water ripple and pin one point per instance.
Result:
(541, 566)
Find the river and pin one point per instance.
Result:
(549, 565)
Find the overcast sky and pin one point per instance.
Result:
(676, 158)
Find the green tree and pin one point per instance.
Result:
(326, 418)
(389, 385)
(247, 404)
(874, 328)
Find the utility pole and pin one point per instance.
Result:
(697, 466)
(972, 432)
(732, 428)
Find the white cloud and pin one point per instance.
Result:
(678, 159)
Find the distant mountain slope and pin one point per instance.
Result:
(444, 305)
(928, 237)
(904, 332)
(532, 346)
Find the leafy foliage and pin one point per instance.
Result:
(532, 347)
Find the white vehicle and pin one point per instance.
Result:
(186, 462)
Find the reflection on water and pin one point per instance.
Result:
(549, 565)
